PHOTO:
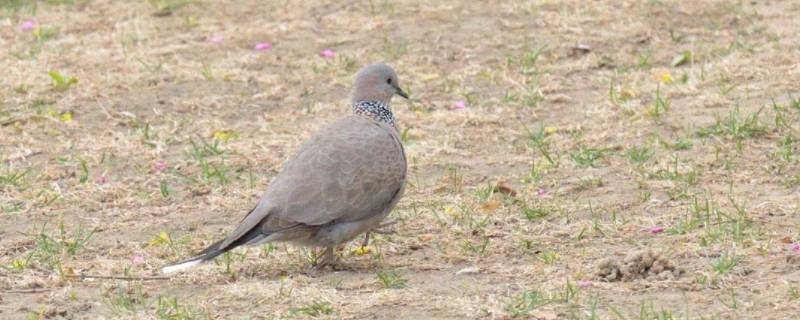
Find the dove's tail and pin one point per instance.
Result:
(206, 255)
(182, 266)
(214, 250)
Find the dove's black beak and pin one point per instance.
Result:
(400, 92)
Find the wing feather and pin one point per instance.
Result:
(350, 170)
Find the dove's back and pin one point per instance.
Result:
(352, 171)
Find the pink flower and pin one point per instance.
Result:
(458, 105)
(540, 192)
(655, 229)
(584, 284)
(216, 39)
(137, 259)
(263, 46)
(102, 180)
(27, 25)
(327, 53)
(795, 247)
(161, 165)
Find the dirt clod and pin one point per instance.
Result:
(637, 265)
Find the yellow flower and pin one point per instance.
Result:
(66, 116)
(160, 240)
(360, 251)
(225, 135)
(429, 76)
(19, 264)
(550, 130)
(666, 78)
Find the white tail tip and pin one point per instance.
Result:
(181, 266)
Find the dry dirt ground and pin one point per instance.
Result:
(613, 159)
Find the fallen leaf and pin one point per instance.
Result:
(200, 191)
(468, 270)
(628, 93)
(546, 315)
(69, 272)
(581, 49)
(490, 205)
(682, 58)
(506, 189)
(605, 62)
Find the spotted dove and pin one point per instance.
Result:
(342, 182)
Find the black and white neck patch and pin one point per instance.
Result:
(377, 110)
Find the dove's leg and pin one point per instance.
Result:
(378, 230)
(328, 258)
(366, 239)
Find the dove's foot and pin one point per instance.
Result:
(328, 259)
(380, 229)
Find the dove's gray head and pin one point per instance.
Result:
(376, 82)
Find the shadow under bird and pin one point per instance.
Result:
(343, 181)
